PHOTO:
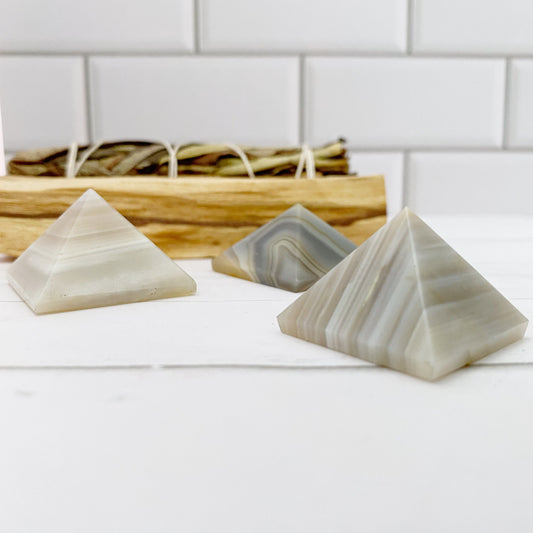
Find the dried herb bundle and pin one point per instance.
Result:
(138, 158)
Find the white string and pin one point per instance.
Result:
(307, 157)
(310, 163)
(300, 167)
(172, 158)
(90, 150)
(173, 172)
(240, 152)
(72, 155)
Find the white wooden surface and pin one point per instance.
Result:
(113, 421)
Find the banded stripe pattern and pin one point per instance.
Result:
(92, 257)
(406, 300)
(290, 252)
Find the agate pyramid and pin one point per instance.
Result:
(406, 300)
(290, 252)
(92, 257)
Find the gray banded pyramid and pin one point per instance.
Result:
(91, 256)
(290, 252)
(406, 300)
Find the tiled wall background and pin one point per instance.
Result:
(436, 94)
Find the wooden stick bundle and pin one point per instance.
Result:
(139, 158)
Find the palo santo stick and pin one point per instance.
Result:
(192, 217)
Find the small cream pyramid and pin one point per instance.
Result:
(92, 257)
(405, 299)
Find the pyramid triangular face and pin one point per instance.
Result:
(92, 257)
(290, 252)
(405, 299)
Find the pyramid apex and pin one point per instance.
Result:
(408, 214)
(407, 211)
(90, 193)
(297, 208)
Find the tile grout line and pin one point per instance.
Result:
(301, 96)
(88, 99)
(405, 174)
(401, 149)
(409, 25)
(506, 103)
(250, 366)
(371, 54)
(439, 149)
(196, 27)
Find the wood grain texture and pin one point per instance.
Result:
(192, 217)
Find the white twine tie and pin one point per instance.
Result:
(72, 155)
(172, 158)
(73, 166)
(240, 152)
(307, 158)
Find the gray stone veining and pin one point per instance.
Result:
(406, 300)
(290, 252)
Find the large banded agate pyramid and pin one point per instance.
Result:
(92, 257)
(290, 252)
(405, 299)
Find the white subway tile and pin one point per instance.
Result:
(405, 102)
(520, 126)
(473, 26)
(248, 100)
(304, 25)
(43, 101)
(98, 25)
(463, 183)
(388, 164)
